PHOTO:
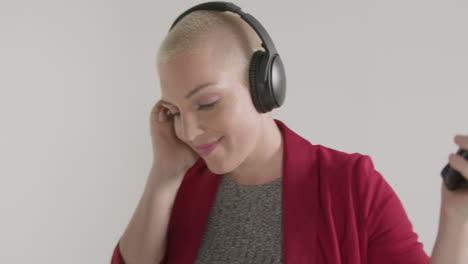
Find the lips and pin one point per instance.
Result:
(205, 149)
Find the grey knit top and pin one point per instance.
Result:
(244, 225)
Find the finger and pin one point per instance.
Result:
(164, 114)
(155, 111)
(167, 114)
(159, 113)
(462, 141)
(459, 164)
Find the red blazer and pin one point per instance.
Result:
(337, 209)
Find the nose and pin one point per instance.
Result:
(190, 128)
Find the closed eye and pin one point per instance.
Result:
(201, 107)
(207, 105)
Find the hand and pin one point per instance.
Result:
(454, 204)
(170, 154)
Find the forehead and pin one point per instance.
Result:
(187, 73)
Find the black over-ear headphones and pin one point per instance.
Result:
(266, 72)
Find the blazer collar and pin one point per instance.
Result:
(198, 189)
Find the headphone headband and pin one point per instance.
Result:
(267, 43)
(267, 77)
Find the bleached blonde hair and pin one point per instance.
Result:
(231, 30)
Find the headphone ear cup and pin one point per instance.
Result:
(253, 79)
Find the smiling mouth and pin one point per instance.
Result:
(208, 148)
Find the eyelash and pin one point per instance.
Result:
(207, 106)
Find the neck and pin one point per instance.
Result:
(264, 164)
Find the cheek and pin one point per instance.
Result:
(177, 129)
(241, 131)
(240, 119)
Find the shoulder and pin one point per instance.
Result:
(338, 163)
(353, 178)
(346, 174)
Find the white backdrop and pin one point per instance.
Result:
(78, 79)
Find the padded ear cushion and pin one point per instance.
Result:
(253, 72)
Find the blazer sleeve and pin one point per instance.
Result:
(117, 256)
(390, 235)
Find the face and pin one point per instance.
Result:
(221, 108)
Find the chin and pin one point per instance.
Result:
(219, 166)
(216, 168)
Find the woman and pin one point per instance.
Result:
(260, 193)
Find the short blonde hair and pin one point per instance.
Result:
(189, 32)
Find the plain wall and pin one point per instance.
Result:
(78, 79)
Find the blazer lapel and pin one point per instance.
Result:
(299, 193)
(190, 212)
(198, 189)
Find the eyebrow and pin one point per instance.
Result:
(194, 91)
